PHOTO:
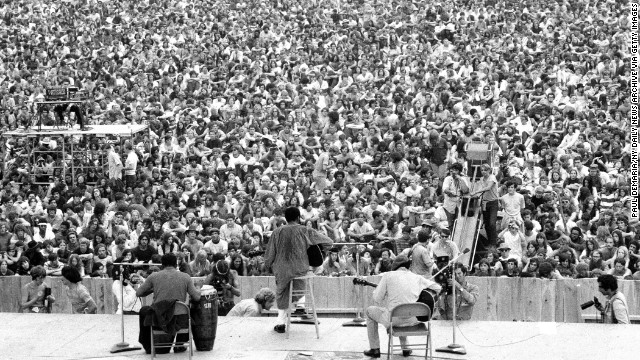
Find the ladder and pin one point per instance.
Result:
(467, 225)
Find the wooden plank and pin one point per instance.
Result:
(99, 296)
(506, 295)
(571, 309)
(492, 313)
(559, 297)
(480, 308)
(110, 304)
(11, 294)
(354, 295)
(532, 299)
(548, 303)
(517, 304)
(322, 290)
(631, 289)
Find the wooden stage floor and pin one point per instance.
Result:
(58, 336)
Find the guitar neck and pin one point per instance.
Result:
(363, 282)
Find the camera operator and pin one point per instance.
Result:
(442, 245)
(466, 296)
(131, 303)
(615, 309)
(225, 281)
(453, 187)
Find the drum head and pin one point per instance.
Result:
(207, 290)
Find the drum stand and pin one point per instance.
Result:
(122, 346)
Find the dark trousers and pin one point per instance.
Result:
(130, 180)
(451, 218)
(490, 217)
(145, 333)
(224, 307)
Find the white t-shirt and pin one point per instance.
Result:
(513, 204)
(131, 164)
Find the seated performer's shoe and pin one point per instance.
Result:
(406, 353)
(280, 328)
(374, 353)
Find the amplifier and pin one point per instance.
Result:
(66, 93)
(53, 94)
(78, 95)
(71, 92)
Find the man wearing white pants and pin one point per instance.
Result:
(399, 286)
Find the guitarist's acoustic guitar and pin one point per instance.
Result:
(427, 297)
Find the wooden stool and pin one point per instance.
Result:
(307, 292)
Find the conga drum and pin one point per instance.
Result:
(204, 329)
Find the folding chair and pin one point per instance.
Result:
(180, 308)
(410, 310)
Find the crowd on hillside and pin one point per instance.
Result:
(361, 113)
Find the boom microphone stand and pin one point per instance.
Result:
(454, 348)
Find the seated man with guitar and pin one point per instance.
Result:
(399, 286)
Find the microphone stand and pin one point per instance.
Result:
(123, 345)
(358, 321)
(453, 348)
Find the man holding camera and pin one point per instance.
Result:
(615, 310)
(466, 296)
(453, 187)
(225, 281)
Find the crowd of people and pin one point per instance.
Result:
(360, 113)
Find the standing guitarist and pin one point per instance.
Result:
(466, 296)
(399, 286)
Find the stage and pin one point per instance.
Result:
(58, 336)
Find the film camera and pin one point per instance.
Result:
(590, 303)
(443, 278)
(128, 274)
(218, 283)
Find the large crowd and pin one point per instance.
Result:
(358, 112)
